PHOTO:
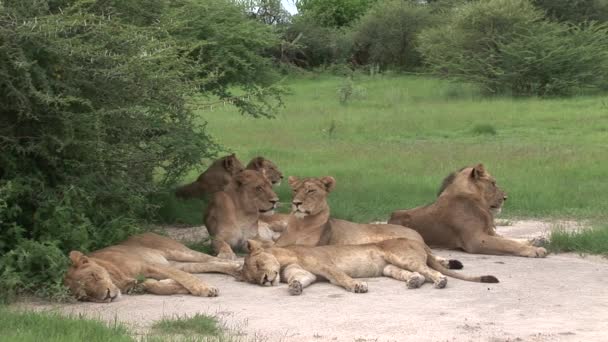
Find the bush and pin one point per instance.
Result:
(94, 108)
(576, 11)
(312, 45)
(507, 46)
(386, 35)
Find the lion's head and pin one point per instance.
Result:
(269, 169)
(88, 281)
(310, 194)
(229, 163)
(260, 267)
(258, 190)
(478, 181)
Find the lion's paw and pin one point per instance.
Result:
(441, 282)
(535, 252)
(360, 287)
(204, 291)
(415, 280)
(295, 288)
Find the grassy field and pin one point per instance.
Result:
(26, 326)
(392, 143)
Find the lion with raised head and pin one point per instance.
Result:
(214, 179)
(462, 217)
(103, 275)
(403, 259)
(270, 169)
(232, 214)
(310, 222)
(221, 175)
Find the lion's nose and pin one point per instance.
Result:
(296, 203)
(505, 198)
(274, 201)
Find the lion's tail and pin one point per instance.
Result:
(192, 190)
(436, 265)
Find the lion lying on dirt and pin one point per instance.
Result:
(221, 173)
(402, 259)
(463, 216)
(103, 275)
(232, 215)
(310, 224)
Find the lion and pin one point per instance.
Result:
(103, 275)
(214, 179)
(462, 217)
(270, 169)
(232, 216)
(221, 175)
(403, 259)
(310, 223)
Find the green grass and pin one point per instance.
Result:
(29, 326)
(197, 325)
(391, 148)
(593, 241)
(35, 327)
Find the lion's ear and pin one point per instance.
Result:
(230, 162)
(253, 246)
(293, 181)
(329, 182)
(478, 171)
(256, 163)
(78, 258)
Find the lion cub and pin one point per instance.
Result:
(402, 259)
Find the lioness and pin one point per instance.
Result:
(104, 274)
(232, 215)
(401, 259)
(310, 223)
(270, 170)
(463, 216)
(212, 180)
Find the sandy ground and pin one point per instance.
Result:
(560, 298)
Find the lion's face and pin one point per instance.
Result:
(269, 169)
(88, 281)
(310, 195)
(258, 189)
(260, 267)
(486, 186)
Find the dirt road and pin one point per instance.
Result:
(560, 298)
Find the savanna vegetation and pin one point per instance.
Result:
(108, 105)
(31, 326)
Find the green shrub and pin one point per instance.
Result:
(386, 35)
(575, 11)
(94, 108)
(506, 46)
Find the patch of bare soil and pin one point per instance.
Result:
(559, 298)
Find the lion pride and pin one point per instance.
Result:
(462, 217)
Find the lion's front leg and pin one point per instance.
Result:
(223, 249)
(297, 278)
(164, 287)
(495, 245)
(216, 266)
(193, 284)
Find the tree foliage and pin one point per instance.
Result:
(508, 46)
(96, 117)
(334, 13)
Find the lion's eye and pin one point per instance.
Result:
(310, 191)
(95, 276)
(258, 188)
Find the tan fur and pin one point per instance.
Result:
(402, 259)
(462, 217)
(214, 179)
(104, 274)
(270, 169)
(232, 215)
